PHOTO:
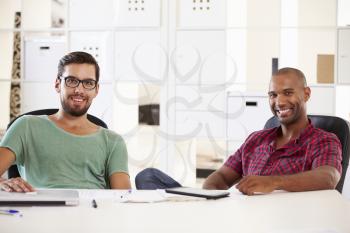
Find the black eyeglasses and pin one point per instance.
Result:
(73, 82)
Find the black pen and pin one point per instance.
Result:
(94, 203)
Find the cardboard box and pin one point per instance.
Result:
(325, 68)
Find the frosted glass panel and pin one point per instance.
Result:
(199, 56)
(125, 97)
(140, 56)
(135, 106)
(145, 149)
(183, 163)
(200, 124)
(191, 98)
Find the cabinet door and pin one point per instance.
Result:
(246, 114)
(321, 101)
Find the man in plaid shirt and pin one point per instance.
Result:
(293, 157)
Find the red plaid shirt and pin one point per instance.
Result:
(313, 148)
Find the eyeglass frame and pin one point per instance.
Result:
(79, 81)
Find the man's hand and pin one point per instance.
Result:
(16, 185)
(262, 184)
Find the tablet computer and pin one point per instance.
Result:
(197, 192)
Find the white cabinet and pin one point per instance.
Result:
(89, 14)
(39, 95)
(41, 56)
(201, 13)
(321, 101)
(246, 113)
(143, 13)
(99, 45)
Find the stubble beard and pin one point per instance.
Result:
(74, 111)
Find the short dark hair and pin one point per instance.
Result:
(290, 70)
(78, 57)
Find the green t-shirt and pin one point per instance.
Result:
(49, 157)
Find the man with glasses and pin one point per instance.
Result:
(66, 150)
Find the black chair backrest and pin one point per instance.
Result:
(51, 111)
(13, 171)
(333, 124)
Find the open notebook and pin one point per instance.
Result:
(40, 197)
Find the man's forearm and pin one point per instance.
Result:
(222, 178)
(214, 181)
(324, 177)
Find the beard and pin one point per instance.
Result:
(77, 112)
(289, 120)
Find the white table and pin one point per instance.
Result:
(279, 212)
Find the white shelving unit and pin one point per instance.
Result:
(186, 56)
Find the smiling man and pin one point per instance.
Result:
(66, 150)
(293, 157)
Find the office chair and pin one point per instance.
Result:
(336, 125)
(13, 171)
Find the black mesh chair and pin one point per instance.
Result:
(13, 171)
(336, 125)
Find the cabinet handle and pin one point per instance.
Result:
(251, 103)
